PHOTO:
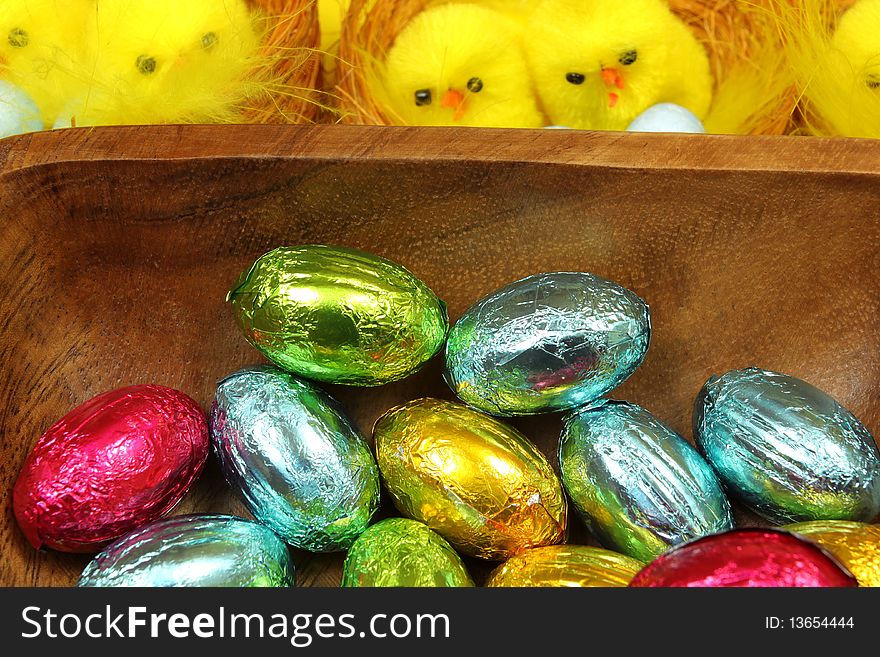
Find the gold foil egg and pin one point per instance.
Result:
(855, 544)
(566, 566)
(474, 480)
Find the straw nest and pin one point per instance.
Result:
(291, 48)
(733, 31)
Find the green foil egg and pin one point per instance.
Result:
(338, 315)
(399, 552)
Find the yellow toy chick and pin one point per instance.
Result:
(459, 64)
(41, 45)
(598, 64)
(166, 61)
(858, 38)
(835, 60)
(845, 90)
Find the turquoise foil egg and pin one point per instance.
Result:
(297, 461)
(787, 450)
(639, 486)
(200, 550)
(550, 342)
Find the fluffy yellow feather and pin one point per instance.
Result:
(330, 15)
(753, 94)
(836, 63)
(41, 43)
(166, 61)
(597, 64)
(458, 64)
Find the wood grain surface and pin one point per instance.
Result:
(118, 247)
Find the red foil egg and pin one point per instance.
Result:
(118, 461)
(745, 558)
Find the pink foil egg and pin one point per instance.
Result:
(745, 558)
(118, 461)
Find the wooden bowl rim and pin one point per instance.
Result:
(638, 151)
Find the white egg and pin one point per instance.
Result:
(18, 113)
(667, 117)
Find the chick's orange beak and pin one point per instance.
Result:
(454, 99)
(612, 77)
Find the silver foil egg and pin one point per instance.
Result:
(547, 343)
(200, 550)
(300, 465)
(639, 486)
(786, 449)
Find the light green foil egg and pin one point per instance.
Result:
(398, 552)
(338, 315)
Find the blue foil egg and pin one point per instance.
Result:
(639, 486)
(786, 449)
(549, 342)
(300, 465)
(201, 550)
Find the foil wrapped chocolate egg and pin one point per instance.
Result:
(639, 486)
(547, 343)
(399, 552)
(338, 315)
(566, 566)
(855, 544)
(118, 461)
(300, 465)
(198, 550)
(787, 450)
(474, 480)
(750, 558)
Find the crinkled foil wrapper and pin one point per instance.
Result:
(639, 486)
(118, 461)
(477, 482)
(786, 449)
(547, 343)
(198, 550)
(746, 558)
(338, 315)
(566, 566)
(298, 462)
(855, 544)
(399, 552)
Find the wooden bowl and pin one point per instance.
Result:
(119, 245)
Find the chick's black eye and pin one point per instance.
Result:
(475, 85)
(629, 57)
(423, 97)
(873, 82)
(18, 38)
(209, 40)
(575, 78)
(146, 65)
